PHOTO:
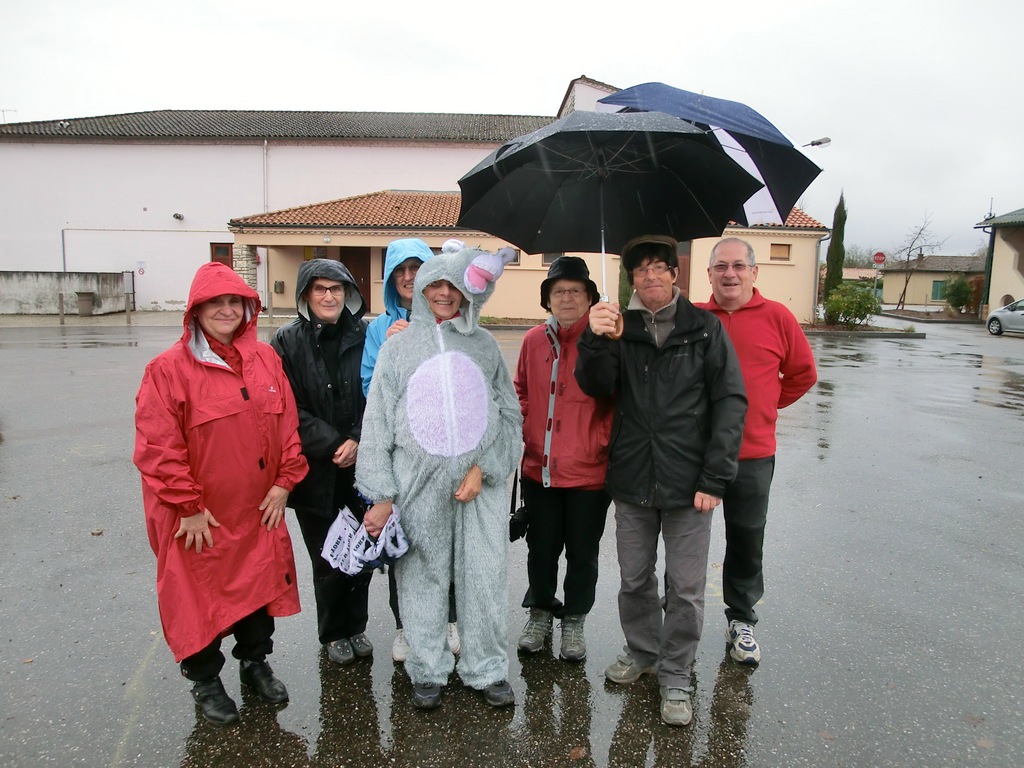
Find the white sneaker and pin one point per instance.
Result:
(742, 645)
(454, 643)
(676, 708)
(399, 648)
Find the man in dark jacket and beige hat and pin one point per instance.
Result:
(679, 410)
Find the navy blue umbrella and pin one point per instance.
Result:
(785, 170)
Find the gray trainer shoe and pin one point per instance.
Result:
(626, 669)
(675, 706)
(574, 647)
(536, 631)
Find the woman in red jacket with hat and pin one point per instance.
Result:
(218, 447)
(566, 435)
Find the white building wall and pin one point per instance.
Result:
(304, 174)
(1007, 268)
(111, 206)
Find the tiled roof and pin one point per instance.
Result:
(388, 209)
(936, 263)
(1011, 219)
(242, 124)
(402, 209)
(796, 219)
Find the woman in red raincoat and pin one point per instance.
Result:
(218, 447)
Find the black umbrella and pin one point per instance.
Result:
(786, 171)
(591, 181)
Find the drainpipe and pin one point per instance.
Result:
(266, 190)
(987, 285)
(817, 274)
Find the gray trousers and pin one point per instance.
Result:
(667, 637)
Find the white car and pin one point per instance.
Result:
(1008, 318)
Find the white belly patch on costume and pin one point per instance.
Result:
(446, 404)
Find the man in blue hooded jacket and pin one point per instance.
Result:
(401, 263)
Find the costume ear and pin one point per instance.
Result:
(486, 268)
(453, 246)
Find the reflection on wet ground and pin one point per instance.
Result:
(874, 532)
(1000, 385)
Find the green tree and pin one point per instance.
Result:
(625, 286)
(836, 252)
(958, 293)
(850, 305)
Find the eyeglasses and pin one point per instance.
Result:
(574, 293)
(739, 266)
(335, 290)
(659, 268)
(412, 269)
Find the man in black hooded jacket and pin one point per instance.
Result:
(321, 351)
(679, 410)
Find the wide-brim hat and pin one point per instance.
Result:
(568, 268)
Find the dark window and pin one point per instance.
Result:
(223, 253)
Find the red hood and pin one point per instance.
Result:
(216, 279)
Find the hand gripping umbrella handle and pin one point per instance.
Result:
(619, 326)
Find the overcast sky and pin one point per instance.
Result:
(920, 99)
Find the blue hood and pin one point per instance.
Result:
(399, 251)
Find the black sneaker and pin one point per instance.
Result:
(361, 645)
(214, 702)
(426, 696)
(260, 677)
(499, 694)
(340, 651)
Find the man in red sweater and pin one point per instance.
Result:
(778, 368)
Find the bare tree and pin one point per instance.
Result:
(918, 238)
(859, 256)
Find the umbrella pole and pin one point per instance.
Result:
(604, 276)
(617, 333)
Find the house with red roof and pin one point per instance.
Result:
(358, 229)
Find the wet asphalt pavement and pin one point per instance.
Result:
(891, 628)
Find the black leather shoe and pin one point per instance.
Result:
(426, 696)
(214, 702)
(260, 677)
(499, 694)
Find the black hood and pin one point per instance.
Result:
(329, 270)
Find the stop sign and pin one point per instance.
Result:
(879, 258)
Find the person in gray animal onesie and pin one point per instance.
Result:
(442, 434)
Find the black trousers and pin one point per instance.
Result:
(252, 643)
(568, 519)
(341, 600)
(453, 615)
(745, 510)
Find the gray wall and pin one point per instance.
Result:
(35, 293)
